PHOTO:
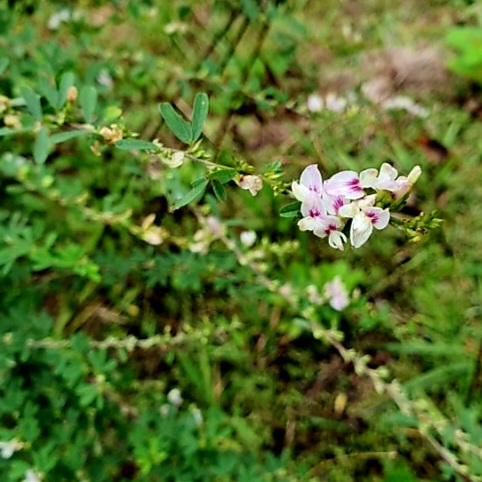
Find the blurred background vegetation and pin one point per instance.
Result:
(144, 343)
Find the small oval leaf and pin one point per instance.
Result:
(135, 145)
(199, 115)
(32, 100)
(41, 146)
(66, 82)
(194, 194)
(223, 175)
(88, 101)
(178, 126)
(219, 191)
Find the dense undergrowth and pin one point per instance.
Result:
(159, 322)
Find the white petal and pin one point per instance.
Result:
(414, 175)
(361, 229)
(367, 201)
(336, 240)
(402, 187)
(368, 178)
(301, 193)
(311, 178)
(387, 172)
(321, 233)
(349, 210)
(310, 224)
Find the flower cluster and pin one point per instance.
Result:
(327, 206)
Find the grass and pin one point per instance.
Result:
(418, 306)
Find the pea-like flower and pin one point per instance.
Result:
(365, 217)
(250, 183)
(388, 180)
(337, 294)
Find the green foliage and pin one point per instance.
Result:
(467, 42)
(136, 260)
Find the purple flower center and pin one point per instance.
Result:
(354, 185)
(314, 212)
(337, 204)
(330, 228)
(372, 216)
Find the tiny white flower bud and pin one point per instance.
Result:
(7, 449)
(314, 103)
(175, 160)
(174, 397)
(197, 415)
(248, 238)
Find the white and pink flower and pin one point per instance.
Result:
(327, 206)
(388, 180)
(365, 216)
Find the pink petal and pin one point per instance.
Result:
(345, 183)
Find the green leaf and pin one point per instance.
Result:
(223, 175)
(250, 9)
(3, 64)
(291, 210)
(66, 136)
(194, 194)
(41, 146)
(179, 127)
(136, 144)
(219, 191)
(88, 101)
(87, 394)
(32, 101)
(49, 90)
(199, 115)
(7, 131)
(66, 82)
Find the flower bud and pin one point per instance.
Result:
(250, 183)
(13, 121)
(248, 238)
(111, 134)
(72, 94)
